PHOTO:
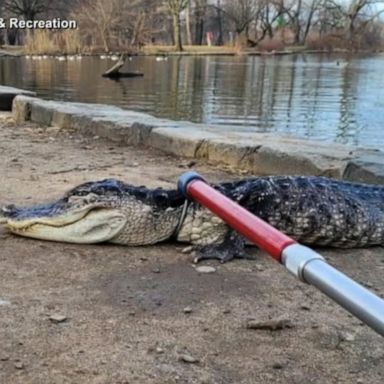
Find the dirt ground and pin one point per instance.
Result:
(130, 315)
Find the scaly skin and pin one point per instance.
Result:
(313, 210)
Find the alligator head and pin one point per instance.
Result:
(106, 210)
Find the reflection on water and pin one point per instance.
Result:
(317, 96)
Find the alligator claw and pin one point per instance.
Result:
(232, 247)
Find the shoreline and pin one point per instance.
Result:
(19, 51)
(256, 153)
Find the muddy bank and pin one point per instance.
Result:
(108, 314)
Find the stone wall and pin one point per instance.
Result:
(258, 153)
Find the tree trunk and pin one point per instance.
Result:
(177, 31)
(199, 28)
(220, 39)
(188, 24)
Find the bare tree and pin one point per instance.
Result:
(200, 9)
(357, 9)
(101, 16)
(241, 13)
(354, 16)
(301, 17)
(220, 39)
(28, 9)
(176, 7)
(268, 12)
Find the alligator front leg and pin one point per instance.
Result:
(231, 247)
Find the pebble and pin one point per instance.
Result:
(270, 325)
(57, 318)
(188, 359)
(349, 337)
(19, 365)
(188, 249)
(205, 269)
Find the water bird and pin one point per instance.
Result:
(342, 64)
(161, 58)
(103, 57)
(114, 57)
(61, 58)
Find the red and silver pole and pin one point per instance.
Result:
(303, 262)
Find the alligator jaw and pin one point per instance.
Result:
(85, 227)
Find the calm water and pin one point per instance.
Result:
(317, 96)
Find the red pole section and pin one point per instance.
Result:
(256, 230)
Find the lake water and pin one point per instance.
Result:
(325, 97)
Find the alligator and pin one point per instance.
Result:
(313, 210)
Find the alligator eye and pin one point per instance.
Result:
(90, 198)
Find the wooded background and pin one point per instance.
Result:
(110, 25)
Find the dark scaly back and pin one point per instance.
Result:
(315, 210)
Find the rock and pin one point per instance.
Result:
(269, 325)
(4, 302)
(57, 318)
(348, 337)
(156, 270)
(19, 365)
(205, 269)
(368, 168)
(188, 249)
(186, 358)
(187, 310)
(4, 358)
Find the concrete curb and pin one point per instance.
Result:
(258, 153)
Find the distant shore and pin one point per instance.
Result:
(201, 50)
